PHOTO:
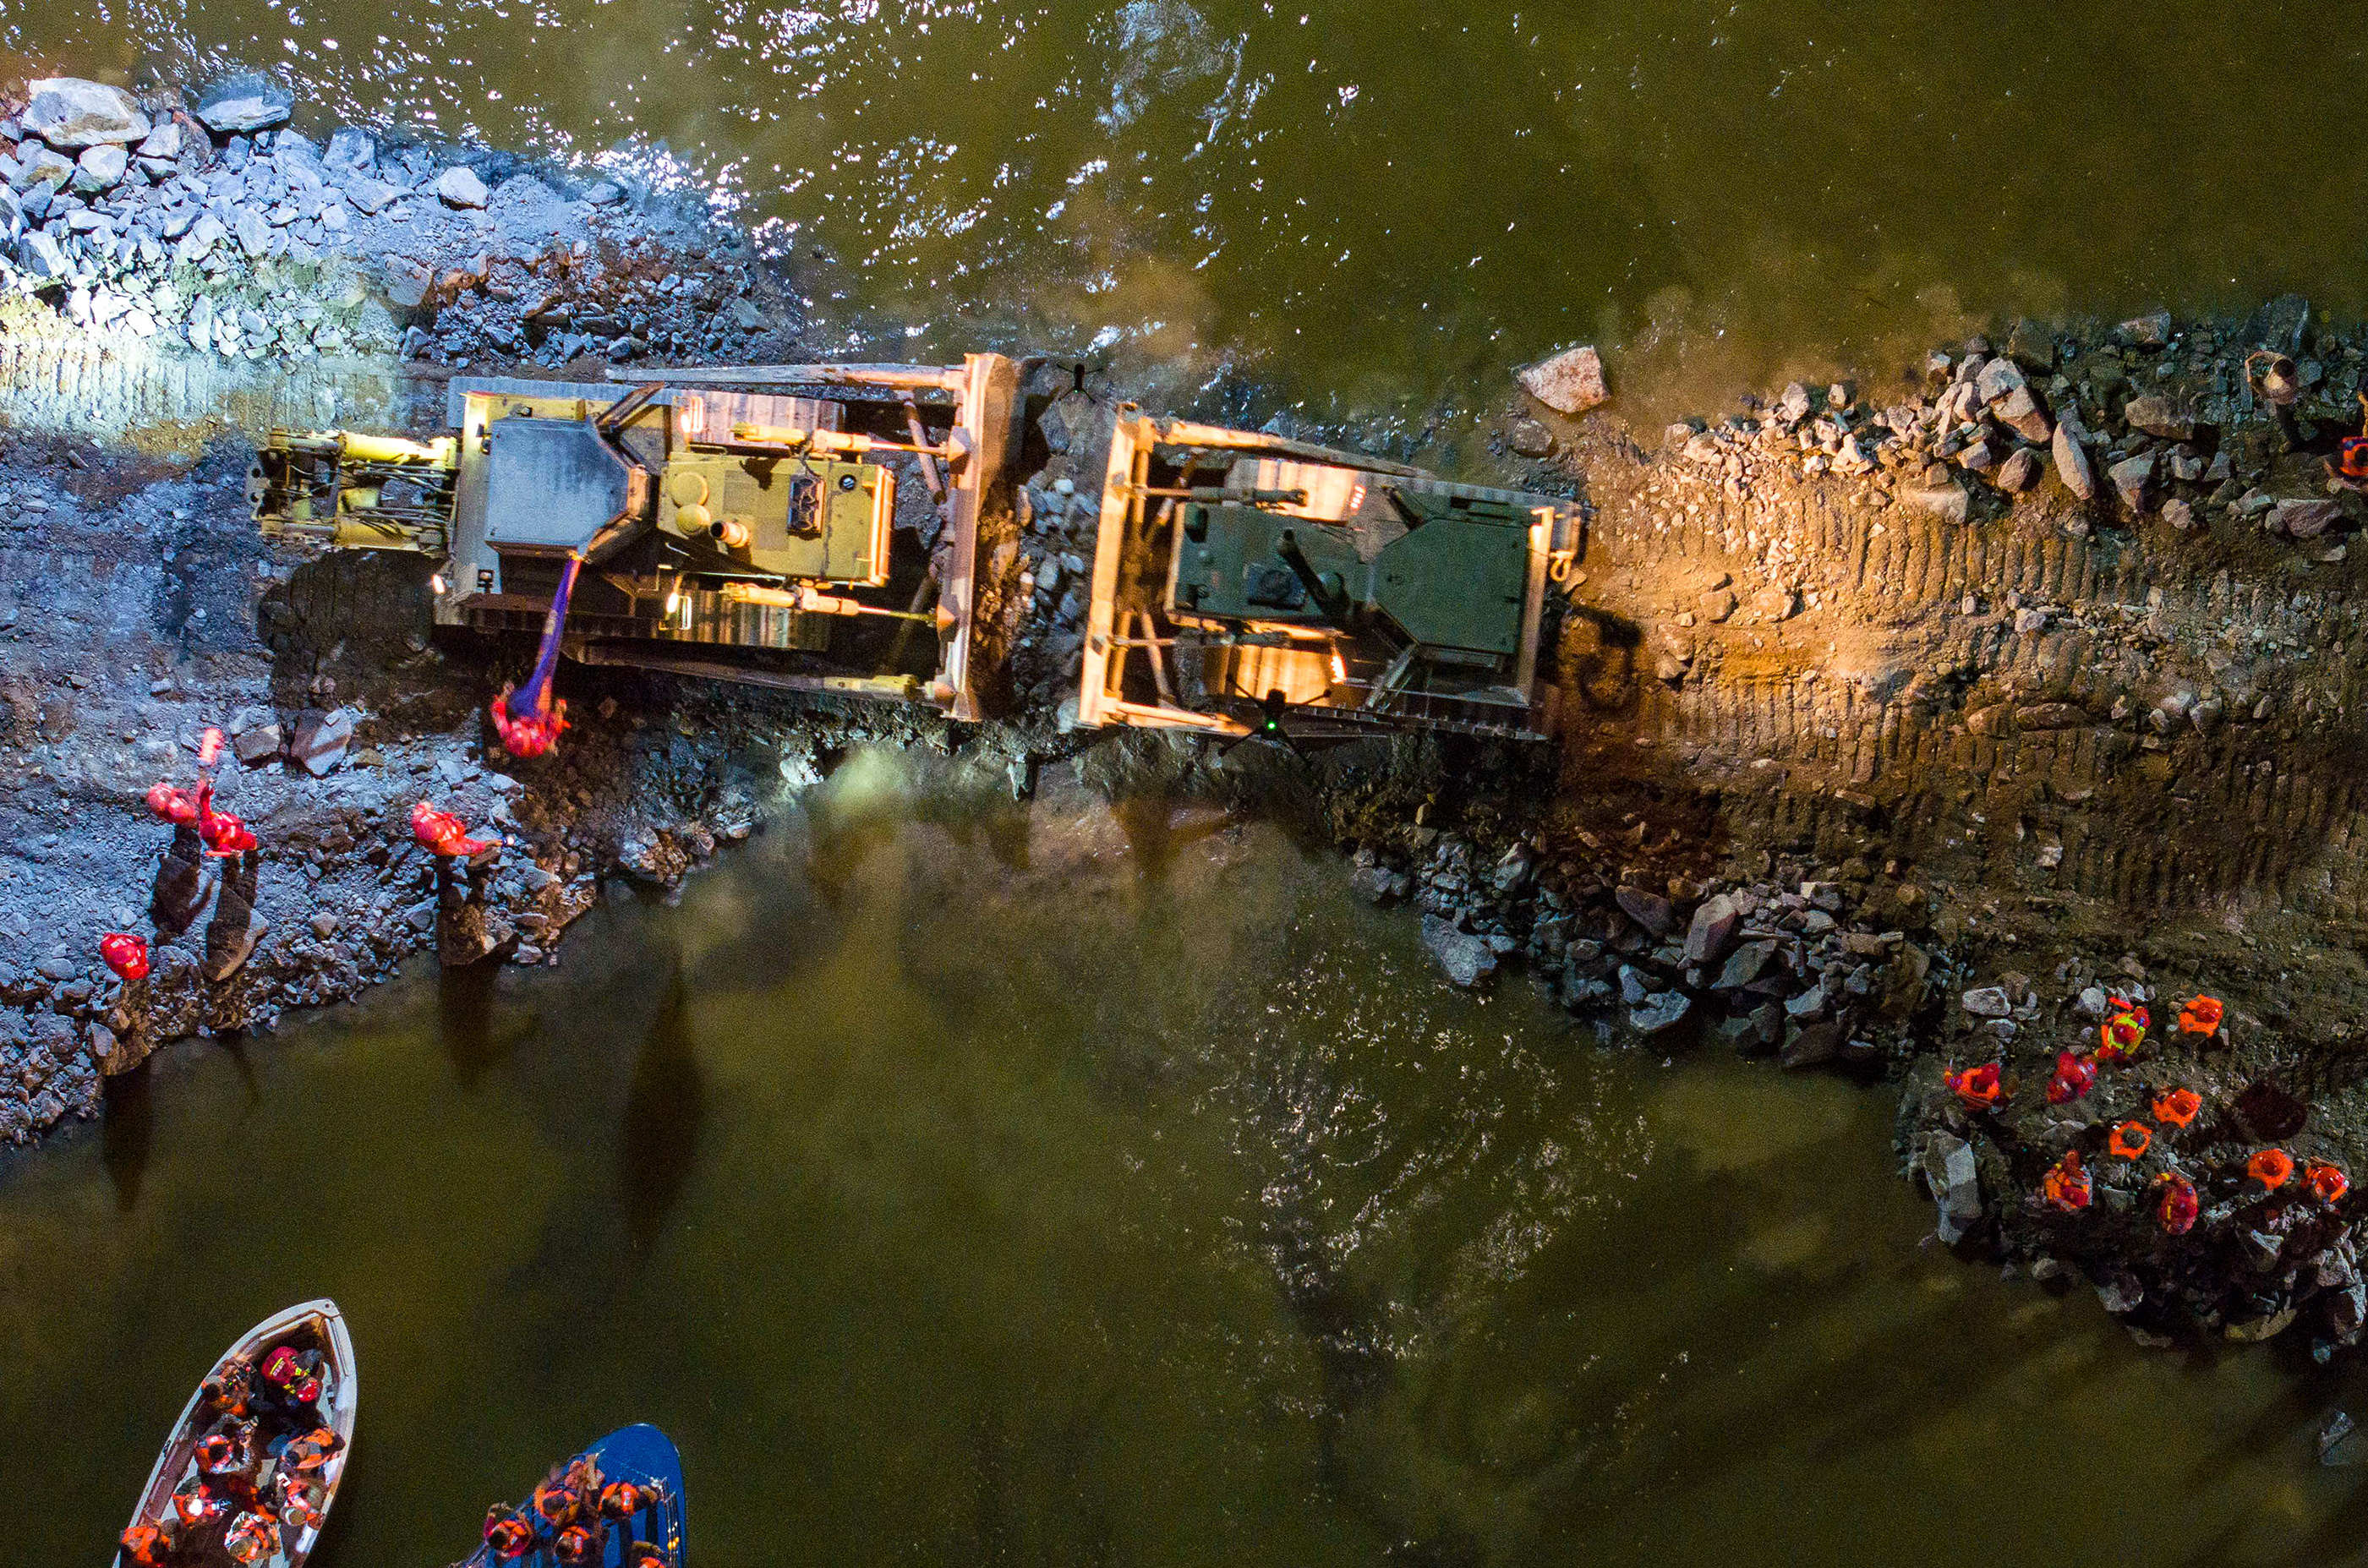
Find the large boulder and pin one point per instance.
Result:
(459, 187)
(1467, 959)
(2131, 476)
(2305, 518)
(100, 168)
(2072, 464)
(245, 103)
(2158, 416)
(40, 257)
(1712, 930)
(1570, 383)
(68, 112)
(1646, 908)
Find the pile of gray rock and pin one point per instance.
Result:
(2144, 419)
(1763, 966)
(209, 222)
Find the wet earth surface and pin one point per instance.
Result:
(1239, 1233)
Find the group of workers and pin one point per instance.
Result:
(2068, 1185)
(259, 1468)
(571, 1516)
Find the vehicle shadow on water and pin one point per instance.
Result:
(657, 1144)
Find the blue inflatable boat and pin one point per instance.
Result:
(616, 1504)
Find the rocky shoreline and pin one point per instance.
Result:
(1886, 720)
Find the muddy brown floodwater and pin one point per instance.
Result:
(1378, 207)
(1017, 1184)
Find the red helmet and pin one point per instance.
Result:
(284, 1370)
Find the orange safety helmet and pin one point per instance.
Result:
(2177, 1107)
(2327, 1183)
(2272, 1167)
(2201, 1017)
(2130, 1140)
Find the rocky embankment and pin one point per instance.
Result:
(201, 246)
(149, 225)
(1903, 731)
(1918, 733)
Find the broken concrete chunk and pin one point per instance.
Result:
(2131, 476)
(1569, 383)
(1812, 1046)
(2020, 411)
(1998, 377)
(100, 169)
(2020, 472)
(1744, 965)
(1950, 503)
